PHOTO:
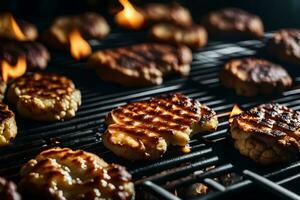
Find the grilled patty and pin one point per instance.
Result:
(8, 126)
(171, 13)
(36, 54)
(29, 30)
(64, 174)
(8, 190)
(141, 64)
(90, 25)
(267, 134)
(252, 76)
(44, 97)
(143, 130)
(192, 35)
(233, 23)
(285, 44)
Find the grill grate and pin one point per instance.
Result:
(212, 161)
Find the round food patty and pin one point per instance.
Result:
(90, 25)
(64, 174)
(36, 54)
(44, 97)
(8, 126)
(285, 44)
(233, 23)
(252, 76)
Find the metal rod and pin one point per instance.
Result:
(160, 191)
(214, 184)
(271, 186)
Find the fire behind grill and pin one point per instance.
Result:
(213, 165)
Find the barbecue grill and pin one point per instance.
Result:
(213, 161)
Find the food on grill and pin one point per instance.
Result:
(285, 44)
(267, 134)
(44, 97)
(36, 54)
(8, 190)
(90, 25)
(3, 86)
(143, 130)
(170, 13)
(8, 126)
(233, 23)
(141, 64)
(252, 76)
(8, 27)
(64, 174)
(192, 36)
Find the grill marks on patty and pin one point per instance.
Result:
(149, 126)
(272, 120)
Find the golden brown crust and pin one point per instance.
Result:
(233, 23)
(44, 97)
(90, 25)
(8, 126)
(29, 30)
(170, 13)
(145, 128)
(63, 174)
(285, 45)
(268, 133)
(252, 76)
(141, 64)
(193, 35)
(8, 190)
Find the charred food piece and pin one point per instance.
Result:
(285, 44)
(194, 36)
(90, 25)
(143, 130)
(36, 54)
(27, 30)
(8, 126)
(233, 23)
(141, 64)
(64, 174)
(44, 97)
(267, 134)
(8, 190)
(171, 13)
(3, 86)
(252, 76)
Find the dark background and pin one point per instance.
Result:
(275, 13)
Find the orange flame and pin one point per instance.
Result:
(78, 46)
(9, 71)
(236, 110)
(129, 17)
(10, 29)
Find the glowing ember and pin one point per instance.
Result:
(10, 29)
(78, 46)
(129, 17)
(9, 71)
(236, 110)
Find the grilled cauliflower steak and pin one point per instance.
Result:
(252, 76)
(8, 126)
(192, 36)
(267, 134)
(8, 190)
(141, 64)
(64, 174)
(143, 130)
(44, 97)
